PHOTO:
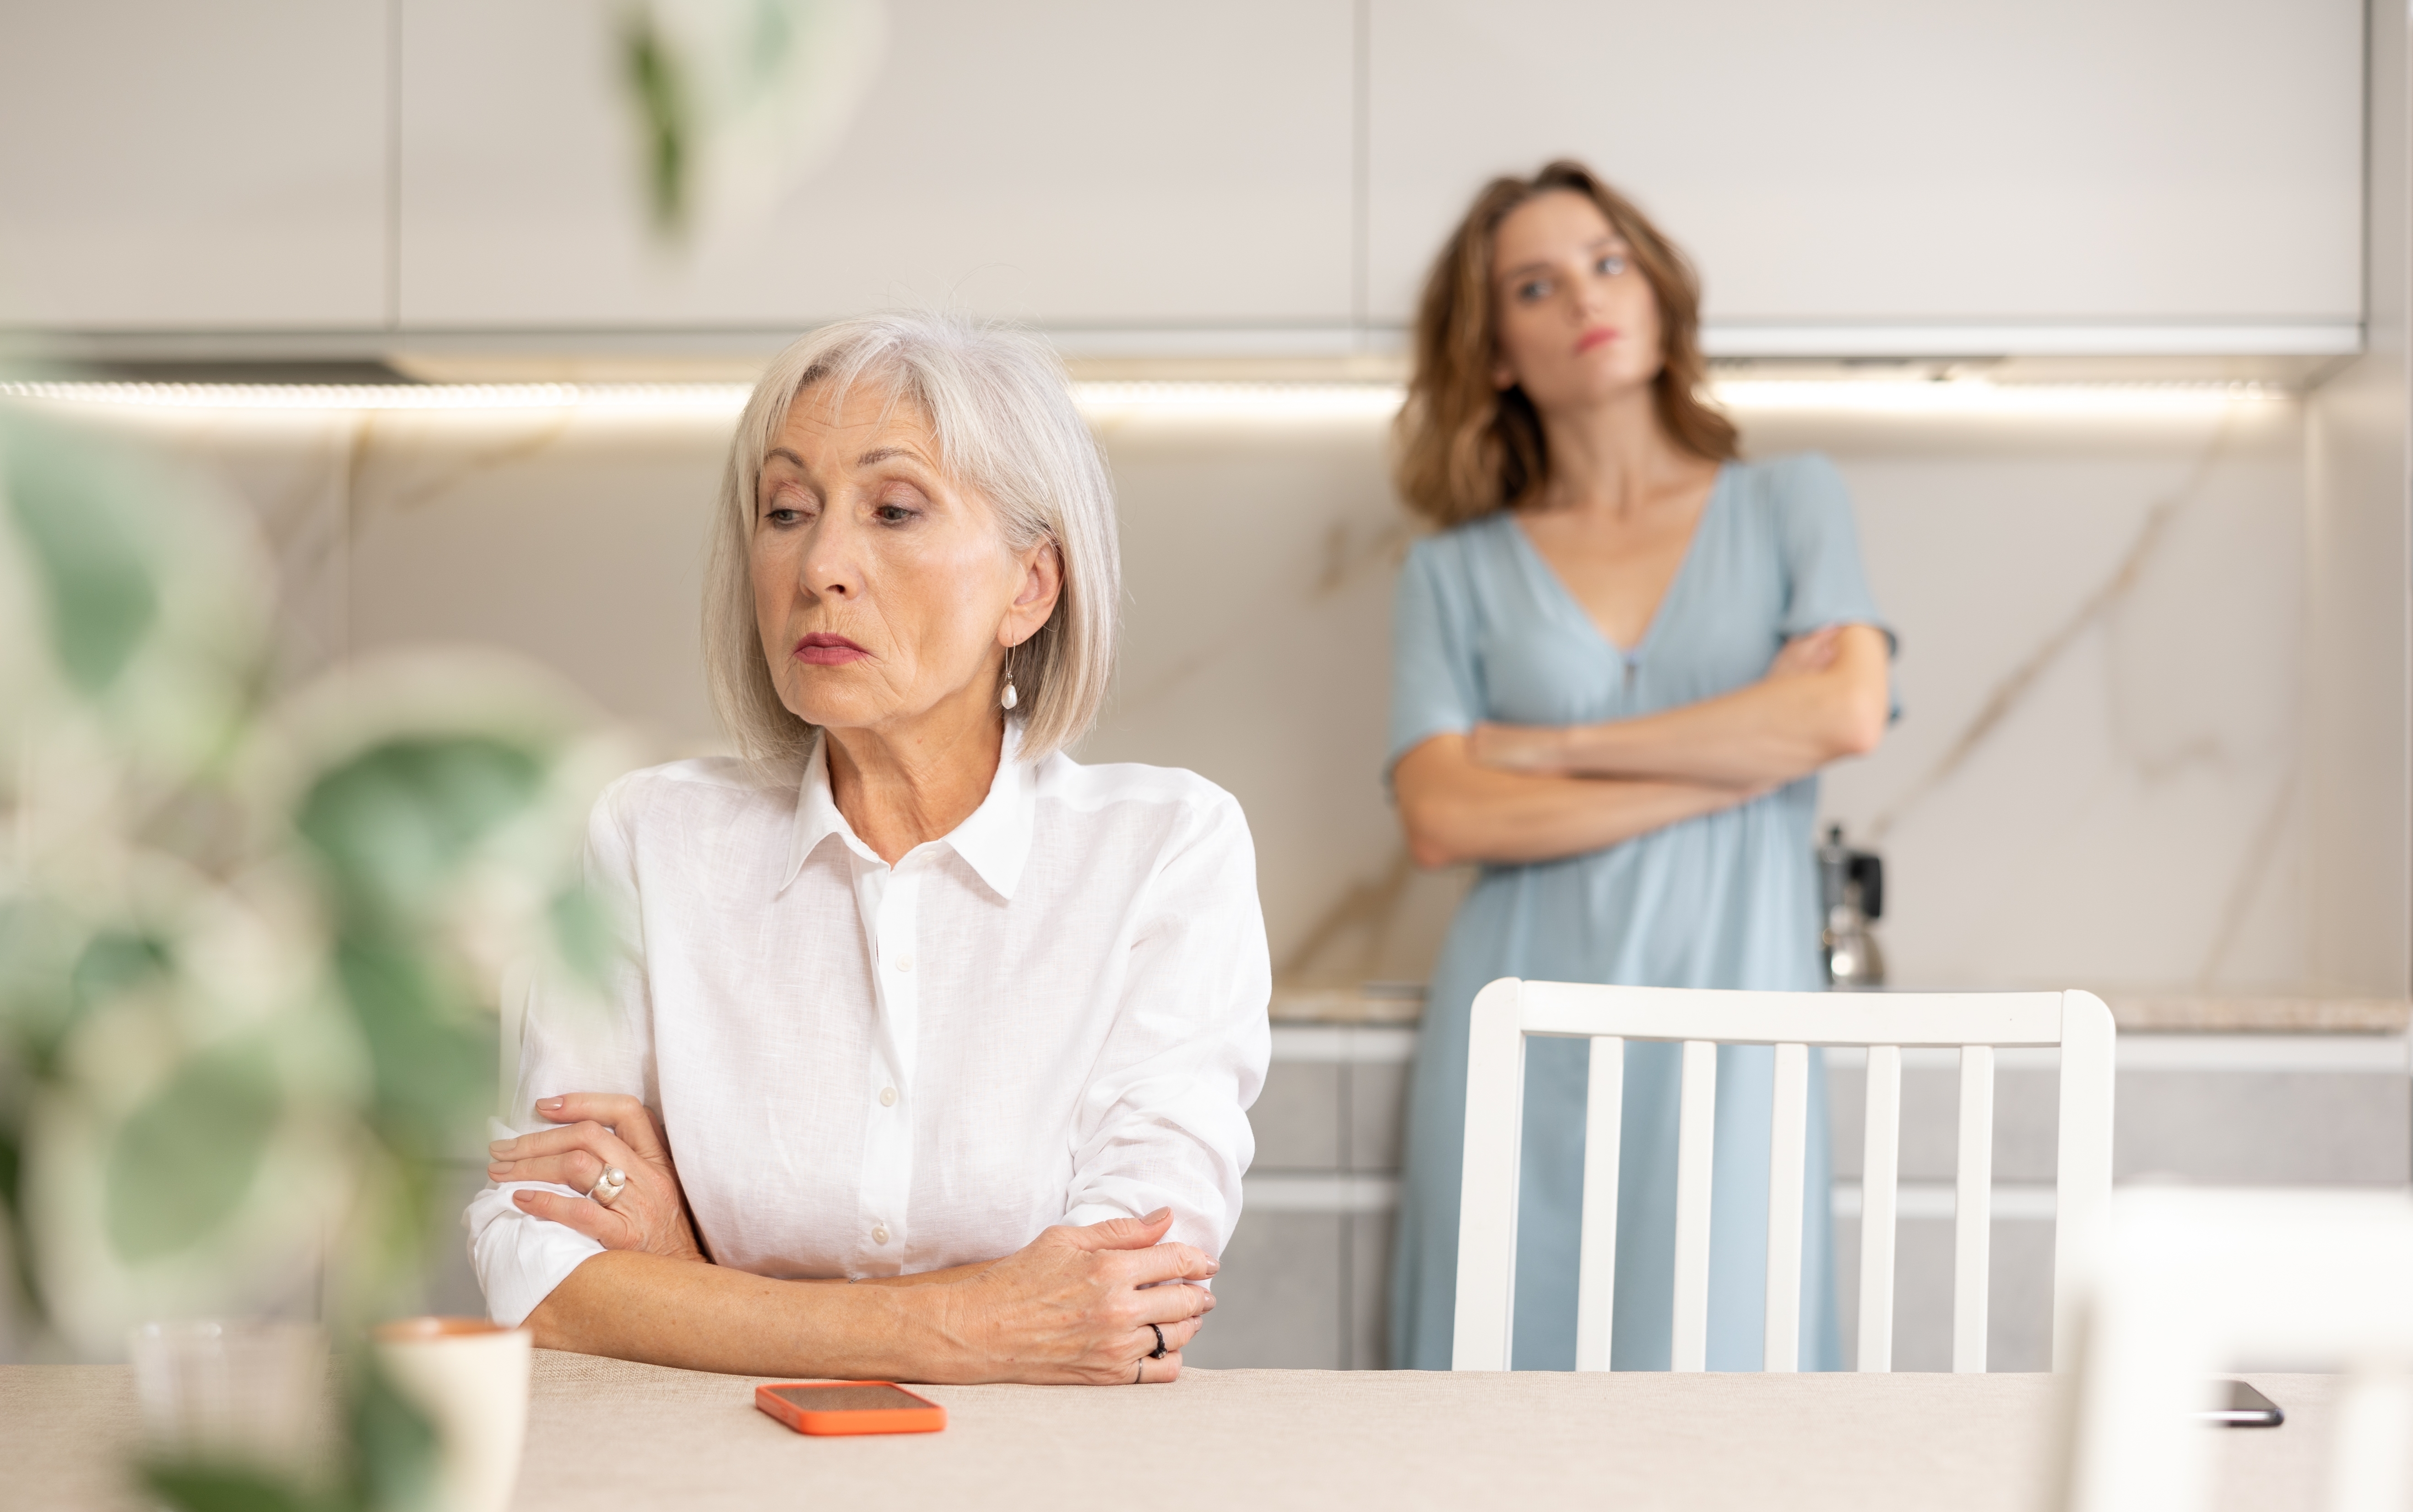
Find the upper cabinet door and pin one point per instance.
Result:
(2053, 162)
(1092, 163)
(216, 165)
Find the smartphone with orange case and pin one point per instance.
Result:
(848, 1407)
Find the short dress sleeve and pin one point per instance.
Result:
(1824, 583)
(1435, 686)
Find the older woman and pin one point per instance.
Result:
(915, 1001)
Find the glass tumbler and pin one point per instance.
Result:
(251, 1393)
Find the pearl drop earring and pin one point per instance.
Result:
(1009, 698)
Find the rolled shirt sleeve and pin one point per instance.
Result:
(572, 1040)
(1164, 1118)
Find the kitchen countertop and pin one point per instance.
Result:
(2136, 1012)
(605, 1435)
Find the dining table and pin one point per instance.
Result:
(605, 1435)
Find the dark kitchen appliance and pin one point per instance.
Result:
(1851, 894)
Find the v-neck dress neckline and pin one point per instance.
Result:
(1556, 586)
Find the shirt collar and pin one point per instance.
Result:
(995, 841)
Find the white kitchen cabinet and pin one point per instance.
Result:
(2129, 176)
(1076, 164)
(180, 166)
(2193, 165)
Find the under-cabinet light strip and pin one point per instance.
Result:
(1979, 398)
(1957, 397)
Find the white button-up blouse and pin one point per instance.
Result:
(1055, 1014)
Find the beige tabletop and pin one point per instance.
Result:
(603, 1435)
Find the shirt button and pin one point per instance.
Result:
(879, 1234)
(888, 1097)
(904, 963)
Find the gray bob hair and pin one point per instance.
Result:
(1001, 411)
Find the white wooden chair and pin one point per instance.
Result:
(2190, 1281)
(1508, 1012)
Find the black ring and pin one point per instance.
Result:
(1158, 1353)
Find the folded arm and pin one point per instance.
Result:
(1071, 1307)
(1456, 809)
(1826, 697)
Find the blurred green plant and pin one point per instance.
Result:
(733, 101)
(249, 940)
(654, 83)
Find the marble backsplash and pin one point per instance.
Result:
(2095, 781)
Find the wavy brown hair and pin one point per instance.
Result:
(1466, 448)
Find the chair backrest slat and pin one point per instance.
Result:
(1696, 1132)
(1880, 1165)
(1789, 1152)
(1596, 1263)
(1973, 1210)
(2082, 1179)
(1487, 1213)
(1507, 1012)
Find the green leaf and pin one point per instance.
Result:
(39, 946)
(77, 520)
(22, 1261)
(182, 1164)
(434, 1063)
(208, 1487)
(397, 820)
(393, 1444)
(663, 117)
(116, 961)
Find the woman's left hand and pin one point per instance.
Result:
(602, 1129)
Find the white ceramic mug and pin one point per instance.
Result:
(471, 1378)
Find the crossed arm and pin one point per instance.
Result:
(1524, 792)
(1073, 1306)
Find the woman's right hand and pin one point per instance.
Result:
(600, 1130)
(1073, 1306)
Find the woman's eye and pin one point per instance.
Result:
(1533, 289)
(893, 514)
(787, 507)
(1611, 265)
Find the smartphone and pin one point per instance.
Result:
(848, 1407)
(851, 1407)
(2245, 1407)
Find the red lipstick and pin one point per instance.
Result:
(821, 650)
(1598, 335)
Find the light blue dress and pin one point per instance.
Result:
(1486, 631)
